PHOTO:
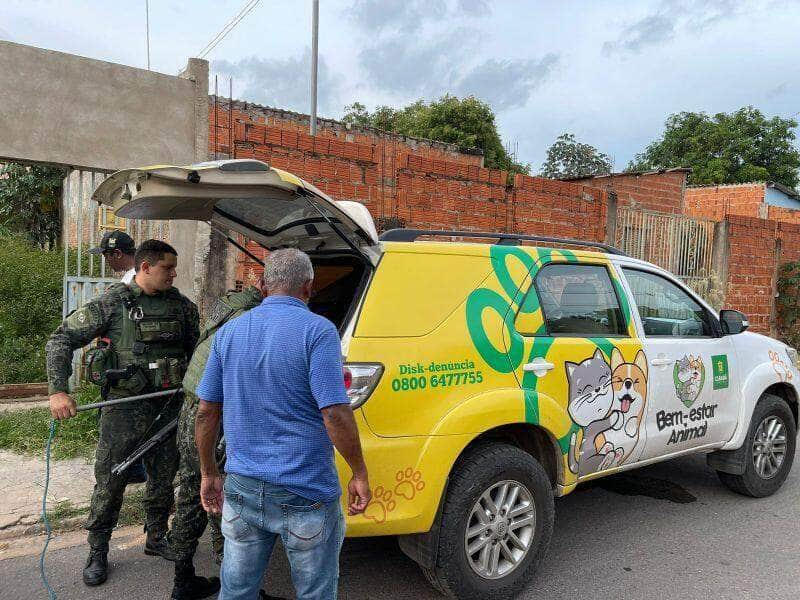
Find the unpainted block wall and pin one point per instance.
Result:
(660, 192)
(426, 184)
(715, 202)
(752, 263)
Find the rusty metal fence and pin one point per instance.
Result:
(682, 245)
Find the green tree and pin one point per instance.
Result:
(568, 157)
(466, 122)
(29, 201)
(732, 147)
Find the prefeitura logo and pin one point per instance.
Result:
(719, 365)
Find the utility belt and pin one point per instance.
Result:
(135, 371)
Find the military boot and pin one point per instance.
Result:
(156, 544)
(189, 586)
(95, 571)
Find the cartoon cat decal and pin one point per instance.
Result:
(629, 384)
(591, 398)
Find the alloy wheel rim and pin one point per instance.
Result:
(500, 529)
(769, 447)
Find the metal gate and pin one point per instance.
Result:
(83, 224)
(682, 245)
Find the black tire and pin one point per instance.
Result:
(474, 473)
(751, 483)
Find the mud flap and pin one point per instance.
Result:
(728, 461)
(423, 548)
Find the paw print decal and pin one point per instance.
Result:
(409, 482)
(381, 505)
(780, 367)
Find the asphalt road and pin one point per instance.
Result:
(667, 531)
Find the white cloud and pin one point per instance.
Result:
(279, 82)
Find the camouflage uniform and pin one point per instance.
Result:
(190, 518)
(169, 324)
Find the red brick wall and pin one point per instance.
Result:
(752, 261)
(390, 146)
(714, 202)
(661, 192)
(785, 215)
(428, 185)
(556, 208)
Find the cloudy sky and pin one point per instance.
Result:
(608, 71)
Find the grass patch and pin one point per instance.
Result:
(63, 512)
(131, 513)
(26, 431)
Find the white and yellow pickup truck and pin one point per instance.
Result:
(489, 378)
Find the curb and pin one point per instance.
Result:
(18, 531)
(24, 400)
(22, 390)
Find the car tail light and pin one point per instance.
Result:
(348, 378)
(359, 381)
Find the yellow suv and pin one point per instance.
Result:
(489, 378)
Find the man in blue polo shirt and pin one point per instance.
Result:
(275, 375)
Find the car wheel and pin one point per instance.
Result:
(495, 525)
(770, 446)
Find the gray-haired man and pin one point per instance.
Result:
(276, 374)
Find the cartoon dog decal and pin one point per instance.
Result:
(629, 384)
(608, 403)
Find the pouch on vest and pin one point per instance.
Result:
(151, 330)
(100, 359)
(135, 384)
(166, 373)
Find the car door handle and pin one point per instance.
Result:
(539, 366)
(661, 362)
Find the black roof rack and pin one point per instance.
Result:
(505, 239)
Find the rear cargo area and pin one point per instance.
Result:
(339, 281)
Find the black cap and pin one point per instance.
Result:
(115, 240)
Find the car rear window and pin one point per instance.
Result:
(579, 300)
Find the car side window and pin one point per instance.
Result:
(578, 300)
(665, 309)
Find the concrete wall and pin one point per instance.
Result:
(66, 109)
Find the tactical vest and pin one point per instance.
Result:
(228, 307)
(151, 341)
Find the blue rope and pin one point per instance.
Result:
(48, 530)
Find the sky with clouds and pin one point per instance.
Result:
(608, 71)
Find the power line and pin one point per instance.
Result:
(230, 26)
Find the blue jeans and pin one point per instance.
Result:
(254, 514)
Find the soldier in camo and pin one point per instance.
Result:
(190, 518)
(151, 329)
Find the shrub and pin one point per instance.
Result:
(788, 303)
(30, 307)
(22, 360)
(30, 289)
